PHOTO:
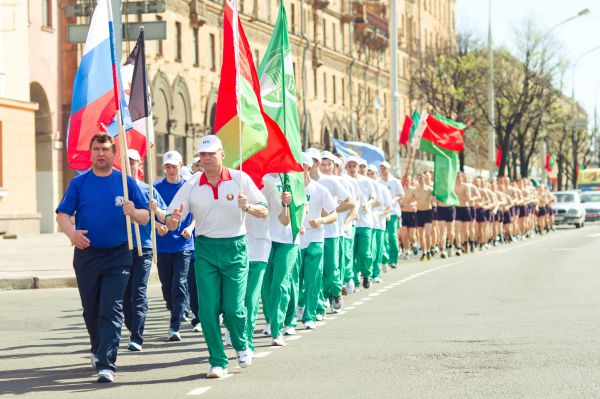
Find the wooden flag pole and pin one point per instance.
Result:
(236, 49)
(136, 227)
(124, 176)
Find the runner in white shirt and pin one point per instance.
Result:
(381, 212)
(397, 192)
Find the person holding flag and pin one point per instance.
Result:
(381, 212)
(102, 259)
(215, 198)
(391, 226)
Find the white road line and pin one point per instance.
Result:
(293, 337)
(382, 289)
(341, 312)
(594, 235)
(367, 299)
(199, 391)
(349, 307)
(375, 294)
(305, 331)
(261, 354)
(358, 303)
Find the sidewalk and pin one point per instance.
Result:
(39, 261)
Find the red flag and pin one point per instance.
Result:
(547, 166)
(405, 135)
(443, 135)
(499, 157)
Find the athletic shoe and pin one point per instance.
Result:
(458, 252)
(407, 256)
(392, 266)
(267, 330)
(443, 255)
(436, 249)
(94, 360)
(384, 268)
(185, 317)
(134, 347)
(310, 325)
(351, 287)
(321, 317)
(366, 283)
(106, 376)
(245, 357)
(197, 328)
(429, 256)
(227, 337)
(216, 372)
(299, 314)
(337, 303)
(174, 336)
(415, 250)
(289, 330)
(377, 280)
(344, 291)
(278, 341)
(423, 257)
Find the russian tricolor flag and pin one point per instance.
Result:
(93, 107)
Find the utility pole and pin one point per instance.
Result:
(491, 100)
(394, 81)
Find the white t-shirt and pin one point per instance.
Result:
(357, 196)
(339, 194)
(396, 189)
(257, 231)
(342, 216)
(385, 200)
(215, 209)
(317, 199)
(279, 232)
(367, 192)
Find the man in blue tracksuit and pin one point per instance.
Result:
(174, 247)
(102, 260)
(135, 301)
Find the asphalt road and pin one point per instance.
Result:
(517, 321)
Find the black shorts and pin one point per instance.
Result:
(507, 217)
(463, 214)
(409, 219)
(514, 211)
(445, 214)
(424, 217)
(542, 211)
(434, 212)
(499, 216)
(488, 215)
(480, 215)
(522, 211)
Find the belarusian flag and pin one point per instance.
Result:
(278, 92)
(264, 147)
(443, 140)
(406, 129)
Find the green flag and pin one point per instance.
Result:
(447, 121)
(278, 93)
(444, 172)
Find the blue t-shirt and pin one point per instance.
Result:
(173, 242)
(96, 202)
(145, 236)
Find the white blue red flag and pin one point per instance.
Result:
(93, 107)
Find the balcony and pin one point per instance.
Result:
(319, 4)
(371, 25)
(197, 13)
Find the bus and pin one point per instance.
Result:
(588, 179)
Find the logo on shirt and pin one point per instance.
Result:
(308, 197)
(119, 200)
(229, 197)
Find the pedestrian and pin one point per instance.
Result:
(101, 259)
(397, 192)
(219, 199)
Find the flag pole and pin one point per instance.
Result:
(282, 55)
(149, 148)
(122, 138)
(236, 50)
(127, 166)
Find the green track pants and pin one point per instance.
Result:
(255, 279)
(290, 316)
(332, 286)
(311, 274)
(377, 241)
(391, 241)
(363, 256)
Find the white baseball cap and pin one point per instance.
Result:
(353, 158)
(307, 159)
(210, 143)
(362, 162)
(328, 155)
(372, 168)
(133, 154)
(314, 154)
(386, 165)
(195, 160)
(173, 158)
(337, 161)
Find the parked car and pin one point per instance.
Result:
(591, 203)
(569, 209)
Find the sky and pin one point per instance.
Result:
(576, 37)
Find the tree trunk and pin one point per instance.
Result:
(559, 183)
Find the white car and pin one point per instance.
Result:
(591, 202)
(569, 209)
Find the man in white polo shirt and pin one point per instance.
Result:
(219, 198)
(397, 192)
(381, 212)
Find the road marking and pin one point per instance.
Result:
(375, 294)
(357, 303)
(349, 307)
(262, 354)
(306, 331)
(341, 312)
(562, 249)
(199, 391)
(594, 235)
(383, 289)
(293, 337)
(333, 317)
(367, 299)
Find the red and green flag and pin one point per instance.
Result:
(240, 114)
(279, 98)
(406, 130)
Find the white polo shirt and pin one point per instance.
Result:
(356, 194)
(396, 189)
(367, 191)
(215, 209)
(385, 199)
(279, 232)
(339, 194)
(257, 231)
(317, 199)
(342, 216)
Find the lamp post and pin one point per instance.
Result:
(491, 100)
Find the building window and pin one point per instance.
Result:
(269, 11)
(293, 17)
(343, 37)
(160, 42)
(324, 33)
(315, 84)
(178, 41)
(334, 36)
(47, 13)
(257, 59)
(181, 147)
(324, 87)
(334, 94)
(161, 141)
(213, 52)
(343, 92)
(196, 51)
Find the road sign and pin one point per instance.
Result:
(154, 30)
(79, 10)
(144, 7)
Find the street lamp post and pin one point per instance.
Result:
(394, 81)
(491, 127)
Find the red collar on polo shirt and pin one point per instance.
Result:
(225, 176)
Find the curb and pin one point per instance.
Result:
(32, 283)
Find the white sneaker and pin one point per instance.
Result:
(299, 313)
(134, 347)
(227, 337)
(216, 372)
(245, 358)
(384, 268)
(94, 360)
(321, 317)
(197, 328)
(377, 280)
(267, 330)
(174, 336)
(351, 287)
(278, 341)
(106, 376)
(310, 325)
(289, 330)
